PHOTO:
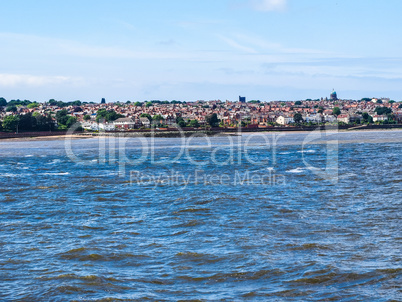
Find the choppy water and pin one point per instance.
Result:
(270, 225)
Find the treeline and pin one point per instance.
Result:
(37, 122)
(27, 122)
(61, 104)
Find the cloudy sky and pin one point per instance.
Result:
(200, 50)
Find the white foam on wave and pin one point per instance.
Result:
(297, 170)
(306, 151)
(56, 173)
(55, 161)
(9, 175)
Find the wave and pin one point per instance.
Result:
(297, 170)
(55, 173)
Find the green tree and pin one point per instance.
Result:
(148, 104)
(212, 120)
(10, 123)
(336, 111)
(138, 104)
(158, 117)
(147, 116)
(383, 110)
(298, 118)
(108, 116)
(26, 122)
(87, 117)
(33, 105)
(71, 121)
(43, 123)
(365, 117)
(12, 108)
(3, 102)
(62, 117)
(194, 124)
(113, 115)
(298, 103)
(52, 102)
(180, 121)
(101, 115)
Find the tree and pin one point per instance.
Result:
(43, 123)
(103, 101)
(138, 104)
(12, 108)
(391, 101)
(10, 123)
(26, 122)
(61, 117)
(113, 115)
(298, 118)
(194, 124)
(180, 121)
(108, 116)
(298, 103)
(3, 102)
(147, 116)
(87, 117)
(336, 111)
(71, 121)
(52, 102)
(383, 110)
(400, 106)
(158, 117)
(33, 105)
(148, 104)
(212, 120)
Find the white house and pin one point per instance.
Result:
(285, 120)
(124, 123)
(314, 118)
(344, 118)
(329, 118)
(378, 118)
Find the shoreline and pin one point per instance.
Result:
(177, 134)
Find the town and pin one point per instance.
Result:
(17, 115)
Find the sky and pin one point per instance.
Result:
(192, 50)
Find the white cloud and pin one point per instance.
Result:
(237, 45)
(13, 80)
(269, 5)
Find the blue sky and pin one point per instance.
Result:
(200, 50)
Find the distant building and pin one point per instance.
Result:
(285, 120)
(333, 96)
(242, 99)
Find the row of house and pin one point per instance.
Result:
(229, 113)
